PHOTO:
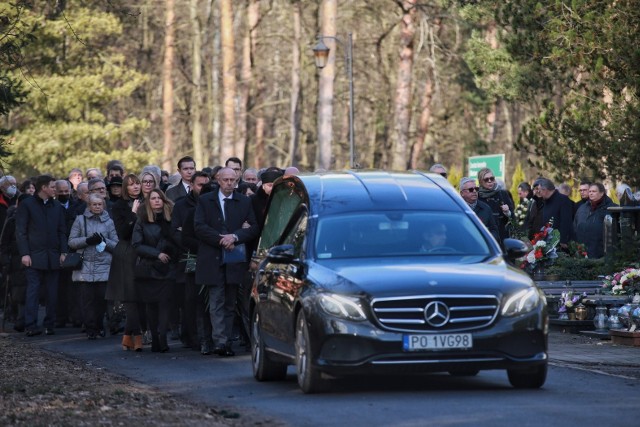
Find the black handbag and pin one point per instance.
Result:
(74, 260)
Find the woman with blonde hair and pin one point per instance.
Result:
(156, 253)
(121, 286)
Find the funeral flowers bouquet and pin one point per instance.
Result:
(543, 248)
(516, 223)
(625, 282)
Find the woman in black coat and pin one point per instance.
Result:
(157, 252)
(498, 200)
(121, 285)
(588, 222)
(12, 265)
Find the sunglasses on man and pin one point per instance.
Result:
(472, 189)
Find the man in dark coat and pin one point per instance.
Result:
(68, 308)
(218, 221)
(186, 169)
(192, 308)
(8, 196)
(469, 192)
(559, 207)
(42, 242)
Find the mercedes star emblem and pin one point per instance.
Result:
(436, 313)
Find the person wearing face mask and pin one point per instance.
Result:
(94, 235)
(8, 196)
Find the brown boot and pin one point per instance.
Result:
(137, 342)
(127, 342)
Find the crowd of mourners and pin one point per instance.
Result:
(119, 253)
(543, 203)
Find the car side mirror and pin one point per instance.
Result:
(514, 249)
(281, 253)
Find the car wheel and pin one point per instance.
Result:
(309, 378)
(263, 368)
(529, 378)
(464, 372)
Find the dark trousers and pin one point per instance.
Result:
(36, 279)
(68, 308)
(158, 314)
(134, 311)
(190, 312)
(94, 306)
(222, 310)
(244, 297)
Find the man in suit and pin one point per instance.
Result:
(186, 169)
(41, 234)
(218, 222)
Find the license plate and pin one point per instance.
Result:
(436, 342)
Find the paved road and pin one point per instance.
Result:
(570, 396)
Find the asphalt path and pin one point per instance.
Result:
(571, 396)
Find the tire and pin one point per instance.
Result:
(263, 368)
(309, 378)
(529, 378)
(464, 372)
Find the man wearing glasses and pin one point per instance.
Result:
(469, 192)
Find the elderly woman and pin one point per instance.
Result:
(498, 200)
(588, 222)
(157, 252)
(94, 234)
(121, 286)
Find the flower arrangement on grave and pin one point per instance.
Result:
(569, 300)
(543, 249)
(516, 222)
(625, 282)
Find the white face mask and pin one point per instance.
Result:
(11, 191)
(100, 247)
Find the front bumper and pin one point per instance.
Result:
(344, 347)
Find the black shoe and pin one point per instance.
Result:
(18, 328)
(49, 331)
(102, 333)
(33, 332)
(205, 349)
(91, 336)
(223, 350)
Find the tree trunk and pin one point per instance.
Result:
(196, 77)
(491, 36)
(403, 87)
(251, 32)
(227, 145)
(423, 125)
(296, 87)
(167, 86)
(328, 13)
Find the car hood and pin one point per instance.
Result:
(387, 278)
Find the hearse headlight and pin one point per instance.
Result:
(342, 306)
(522, 302)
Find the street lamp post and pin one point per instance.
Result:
(321, 53)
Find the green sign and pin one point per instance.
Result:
(495, 162)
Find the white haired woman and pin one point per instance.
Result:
(94, 234)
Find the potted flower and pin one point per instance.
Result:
(568, 303)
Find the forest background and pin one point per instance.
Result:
(552, 84)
